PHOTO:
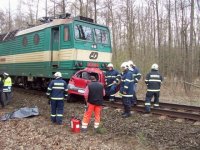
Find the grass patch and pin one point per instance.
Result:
(141, 137)
(101, 130)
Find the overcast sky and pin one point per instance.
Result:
(4, 5)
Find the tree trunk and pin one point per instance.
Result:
(10, 20)
(169, 66)
(63, 6)
(81, 7)
(36, 15)
(95, 11)
(158, 33)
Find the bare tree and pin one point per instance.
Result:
(37, 7)
(10, 19)
(63, 7)
(81, 7)
(158, 31)
(95, 11)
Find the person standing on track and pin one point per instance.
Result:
(112, 78)
(94, 93)
(126, 89)
(153, 82)
(56, 92)
(136, 77)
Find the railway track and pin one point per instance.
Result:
(165, 109)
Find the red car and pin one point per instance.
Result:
(80, 80)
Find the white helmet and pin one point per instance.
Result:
(110, 65)
(6, 74)
(57, 75)
(125, 65)
(154, 67)
(130, 62)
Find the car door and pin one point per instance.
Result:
(79, 81)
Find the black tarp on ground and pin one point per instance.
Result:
(21, 113)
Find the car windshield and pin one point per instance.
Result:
(86, 75)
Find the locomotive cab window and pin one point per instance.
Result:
(66, 33)
(98, 36)
(83, 32)
(104, 37)
(101, 36)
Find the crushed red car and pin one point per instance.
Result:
(80, 80)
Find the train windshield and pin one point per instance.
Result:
(101, 36)
(92, 33)
(83, 32)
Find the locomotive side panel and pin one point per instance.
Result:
(27, 55)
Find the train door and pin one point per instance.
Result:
(55, 46)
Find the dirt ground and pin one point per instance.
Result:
(173, 93)
(139, 132)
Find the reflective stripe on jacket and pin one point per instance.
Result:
(127, 84)
(153, 81)
(136, 74)
(111, 76)
(57, 89)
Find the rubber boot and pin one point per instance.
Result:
(147, 109)
(127, 112)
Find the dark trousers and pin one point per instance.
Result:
(57, 109)
(110, 91)
(127, 104)
(1, 99)
(7, 97)
(134, 99)
(149, 96)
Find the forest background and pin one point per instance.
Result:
(166, 32)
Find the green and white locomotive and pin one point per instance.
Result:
(33, 55)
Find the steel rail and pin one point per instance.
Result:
(175, 106)
(170, 105)
(174, 110)
(159, 111)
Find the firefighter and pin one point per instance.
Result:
(56, 92)
(126, 89)
(7, 87)
(1, 91)
(136, 77)
(153, 81)
(94, 93)
(112, 78)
